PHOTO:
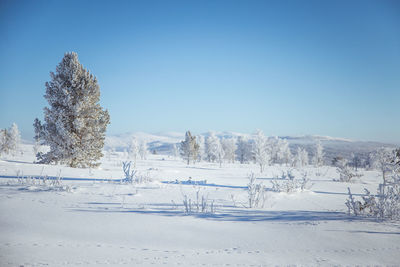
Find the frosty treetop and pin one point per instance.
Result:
(75, 123)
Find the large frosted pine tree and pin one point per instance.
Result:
(75, 123)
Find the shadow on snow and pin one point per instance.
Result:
(234, 215)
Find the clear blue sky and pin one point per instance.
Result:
(286, 67)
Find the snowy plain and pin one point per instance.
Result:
(93, 221)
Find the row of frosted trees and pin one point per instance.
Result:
(259, 149)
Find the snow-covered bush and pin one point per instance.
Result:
(288, 183)
(256, 192)
(386, 203)
(346, 174)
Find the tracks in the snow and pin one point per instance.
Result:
(98, 254)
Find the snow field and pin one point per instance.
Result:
(103, 223)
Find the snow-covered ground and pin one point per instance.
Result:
(90, 220)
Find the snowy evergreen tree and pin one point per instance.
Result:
(189, 148)
(229, 147)
(243, 151)
(143, 150)
(319, 155)
(260, 150)
(213, 147)
(75, 123)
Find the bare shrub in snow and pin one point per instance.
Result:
(129, 174)
(200, 204)
(43, 182)
(346, 174)
(256, 192)
(133, 176)
(288, 182)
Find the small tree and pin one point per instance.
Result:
(319, 154)
(143, 150)
(133, 150)
(10, 140)
(229, 147)
(5, 141)
(284, 154)
(15, 138)
(243, 151)
(301, 159)
(38, 129)
(260, 150)
(175, 150)
(200, 140)
(212, 147)
(345, 173)
(189, 148)
(383, 160)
